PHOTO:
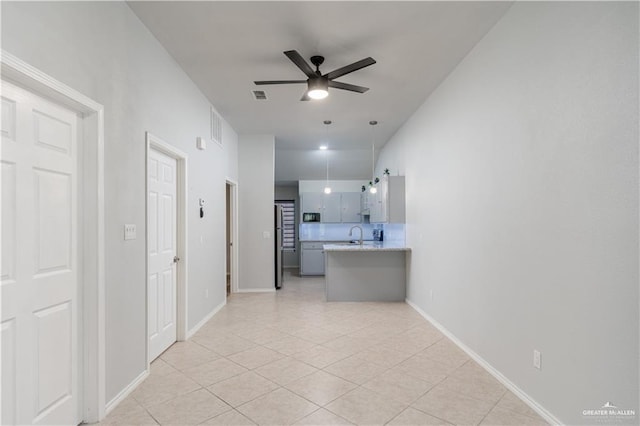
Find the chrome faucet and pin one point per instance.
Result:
(361, 232)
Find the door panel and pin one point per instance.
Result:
(39, 287)
(8, 264)
(9, 389)
(53, 343)
(153, 307)
(161, 229)
(52, 221)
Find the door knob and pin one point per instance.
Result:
(176, 259)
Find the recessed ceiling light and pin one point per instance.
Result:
(323, 147)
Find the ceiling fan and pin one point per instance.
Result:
(318, 83)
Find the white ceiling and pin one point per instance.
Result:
(225, 46)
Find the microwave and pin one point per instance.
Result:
(310, 217)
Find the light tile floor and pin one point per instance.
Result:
(291, 358)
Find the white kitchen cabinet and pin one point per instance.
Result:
(312, 202)
(331, 209)
(351, 211)
(387, 205)
(337, 207)
(364, 202)
(312, 258)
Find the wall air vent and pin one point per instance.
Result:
(259, 95)
(216, 127)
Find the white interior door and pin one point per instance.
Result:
(39, 277)
(161, 240)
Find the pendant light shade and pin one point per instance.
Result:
(327, 188)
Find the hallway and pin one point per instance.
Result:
(291, 358)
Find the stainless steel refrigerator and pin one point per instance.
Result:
(278, 221)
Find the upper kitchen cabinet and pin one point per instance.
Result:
(337, 207)
(331, 212)
(388, 204)
(328, 205)
(350, 204)
(312, 202)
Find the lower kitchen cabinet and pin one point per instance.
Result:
(312, 258)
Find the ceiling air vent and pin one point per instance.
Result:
(259, 95)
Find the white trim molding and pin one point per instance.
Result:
(204, 320)
(92, 228)
(126, 391)
(495, 373)
(256, 290)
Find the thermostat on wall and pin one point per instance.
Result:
(201, 143)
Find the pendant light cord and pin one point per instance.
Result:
(373, 153)
(327, 189)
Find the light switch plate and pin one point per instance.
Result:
(266, 235)
(537, 359)
(129, 232)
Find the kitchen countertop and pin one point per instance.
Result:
(344, 240)
(367, 246)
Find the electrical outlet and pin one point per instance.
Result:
(130, 232)
(537, 359)
(206, 294)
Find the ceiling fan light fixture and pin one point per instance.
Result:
(317, 94)
(318, 88)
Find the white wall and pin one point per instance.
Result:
(522, 202)
(299, 164)
(256, 216)
(102, 50)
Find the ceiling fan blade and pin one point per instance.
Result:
(262, 83)
(297, 59)
(305, 97)
(347, 86)
(350, 68)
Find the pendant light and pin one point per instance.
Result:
(327, 188)
(372, 184)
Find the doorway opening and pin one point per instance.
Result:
(231, 232)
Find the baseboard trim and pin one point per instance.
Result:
(125, 392)
(204, 320)
(256, 290)
(550, 418)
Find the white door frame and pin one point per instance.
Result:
(233, 185)
(91, 297)
(157, 144)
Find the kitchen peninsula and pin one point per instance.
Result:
(368, 272)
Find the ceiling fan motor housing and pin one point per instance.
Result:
(319, 83)
(317, 61)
